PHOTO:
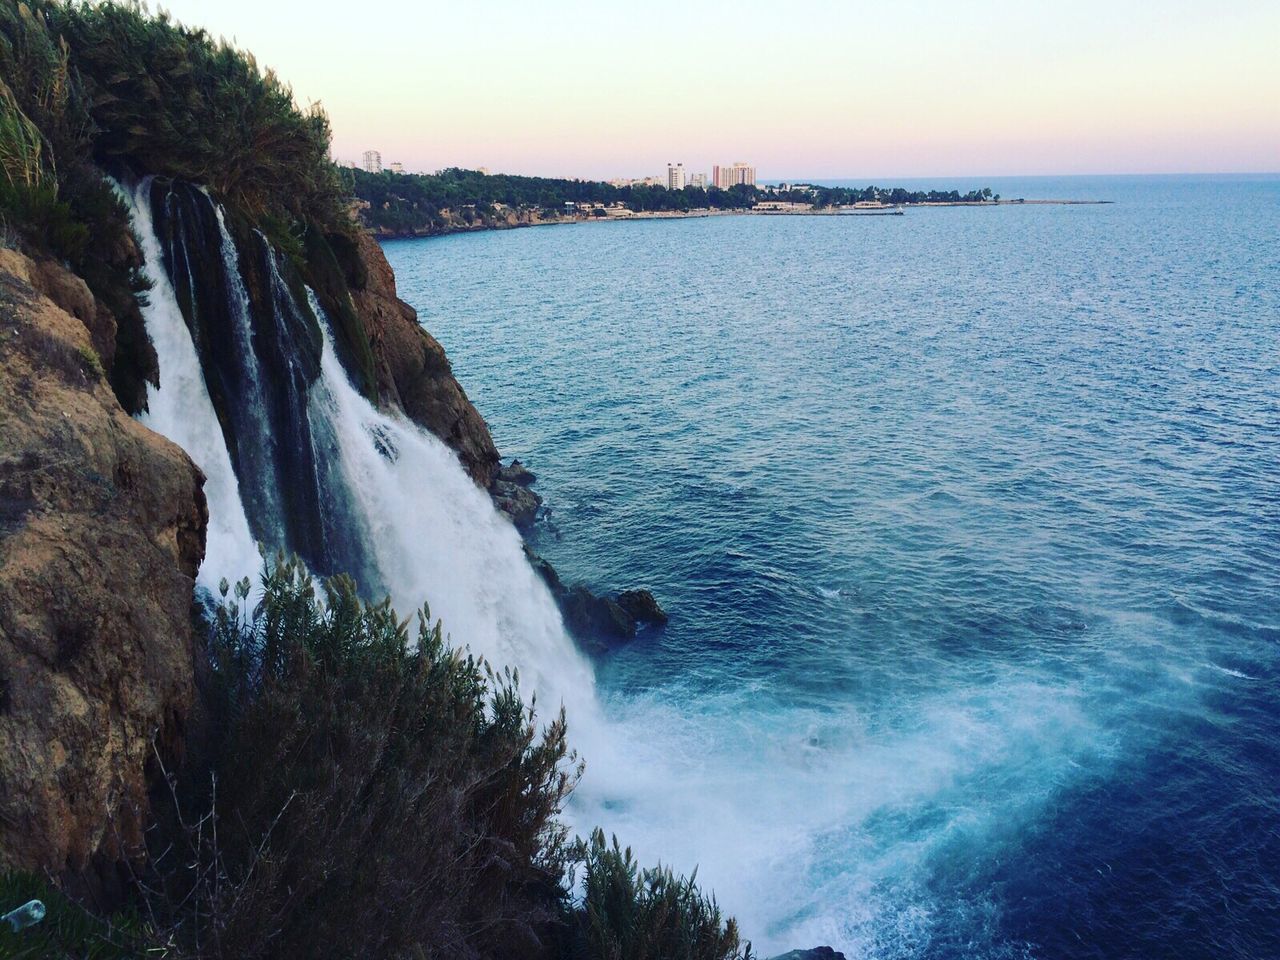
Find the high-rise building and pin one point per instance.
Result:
(698, 180)
(675, 176)
(372, 161)
(731, 176)
(397, 168)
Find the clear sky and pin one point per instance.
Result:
(597, 88)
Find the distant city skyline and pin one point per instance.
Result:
(1000, 88)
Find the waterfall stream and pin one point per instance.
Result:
(392, 505)
(180, 409)
(436, 537)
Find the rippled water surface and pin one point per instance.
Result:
(968, 522)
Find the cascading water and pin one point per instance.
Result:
(384, 500)
(436, 537)
(180, 409)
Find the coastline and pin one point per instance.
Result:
(614, 217)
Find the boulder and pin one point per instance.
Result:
(599, 621)
(519, 503)
(642, 607)
(816, 953)
(517, 473)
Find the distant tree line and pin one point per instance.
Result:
(418, 202)
(844, 196)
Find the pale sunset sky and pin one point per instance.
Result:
(799, 89)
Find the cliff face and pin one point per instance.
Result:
(412, 370)
(102, 526)
(444, 222)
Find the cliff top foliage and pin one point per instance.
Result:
(109, 82)
(89, 89)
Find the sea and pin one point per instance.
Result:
(968, 526)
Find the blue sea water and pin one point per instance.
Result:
(968, 523)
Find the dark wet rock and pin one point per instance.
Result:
(517, 473)
(642, 607)
(817, 953)
(519, 503)
(598, 622)
(546, 571)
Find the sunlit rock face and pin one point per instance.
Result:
(102, 526)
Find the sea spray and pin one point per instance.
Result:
(181, 410)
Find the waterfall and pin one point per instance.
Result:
(436, 537)
(181, 409)
(364, 492)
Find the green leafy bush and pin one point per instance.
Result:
(359, 794)
(369, 795)
(171, 100)
(94, 86)
(627, 913)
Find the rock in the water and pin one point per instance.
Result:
(519, 503)
(642, 607)
(596, 620)
(546, 571)
(102, 526)
(817, 953)
(517, 473)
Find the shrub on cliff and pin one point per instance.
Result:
(94, 86)
(370, 795)
(359, 794)
(166, 99)
(627, 913)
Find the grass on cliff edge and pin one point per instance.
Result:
(362, 793)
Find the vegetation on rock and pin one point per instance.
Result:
(362, 793)
(90, 89)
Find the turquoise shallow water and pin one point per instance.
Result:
(969, 526)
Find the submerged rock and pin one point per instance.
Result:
(816, 953)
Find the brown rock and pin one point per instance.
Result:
(412, 370)
(65, 289)
(517, 473)
(70, 293)
(517, 502)
(102, 526)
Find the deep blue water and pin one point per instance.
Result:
(968, 522)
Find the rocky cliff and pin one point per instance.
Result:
(412, 370)
(102, 526)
